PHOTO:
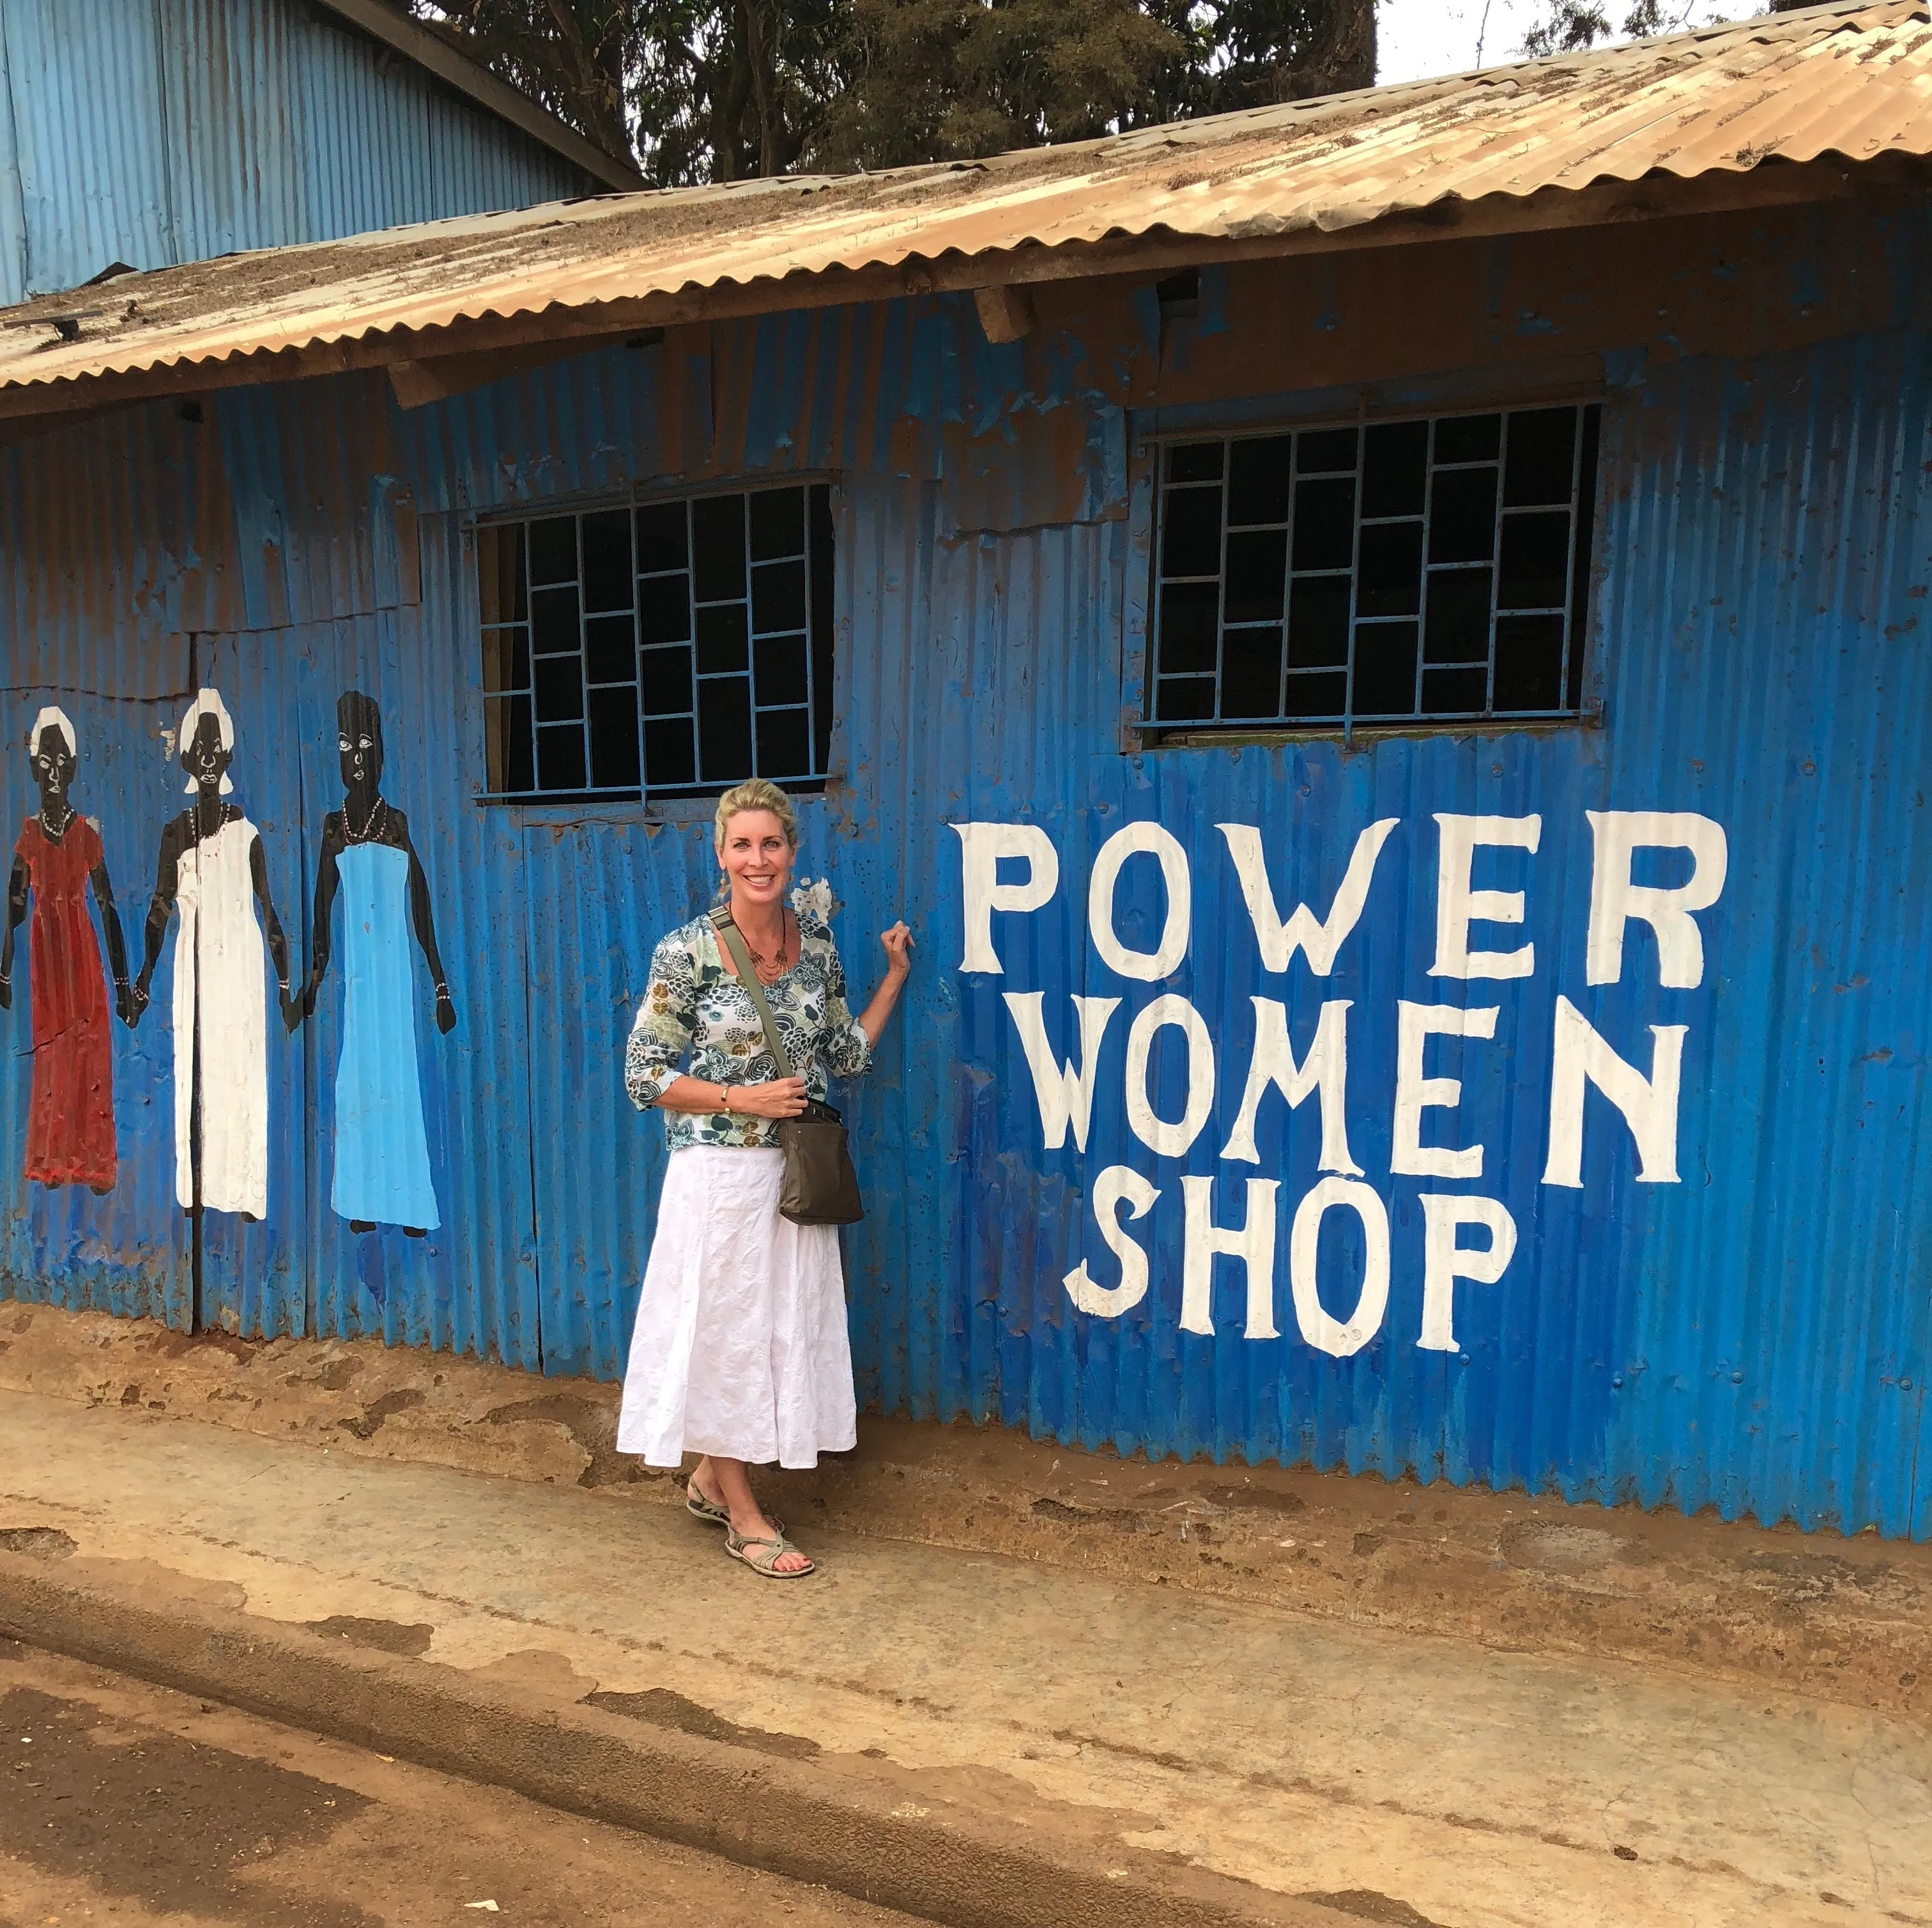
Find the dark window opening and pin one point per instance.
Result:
(666, 648)
(1389, 573)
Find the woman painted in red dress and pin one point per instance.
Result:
(70, 1119)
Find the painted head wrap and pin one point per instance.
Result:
(52, 717)
(208, 702)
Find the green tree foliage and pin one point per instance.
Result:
(571, 55)
(1248, 53)
(946, 80)
(723, 90)
(1575, 26)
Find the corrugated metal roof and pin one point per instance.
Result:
(1852, 82)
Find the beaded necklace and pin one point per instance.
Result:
(770, 973)
(379, 815)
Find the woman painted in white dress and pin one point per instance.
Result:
(213, 874)
(740, 1353)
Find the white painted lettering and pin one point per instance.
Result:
(1321, 1330)
(1169, 1140)
(1303, 932)
(981, 846)
(1615, 900)
(1415, 1094)
(1064, 1093)
(1649, 1105)
(1324, 1072)
(1444, 1261)
(1457, 906)
(1150, 966)
(1115, 1187)
(1253, 1245)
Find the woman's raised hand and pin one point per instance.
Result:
(776, 1097)
(897, 942)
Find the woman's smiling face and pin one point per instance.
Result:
(757, 857)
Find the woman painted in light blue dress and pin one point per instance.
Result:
(369, 865)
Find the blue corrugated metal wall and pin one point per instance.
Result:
(154, 132)
(1755, 1336)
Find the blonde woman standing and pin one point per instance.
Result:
(740, 1353)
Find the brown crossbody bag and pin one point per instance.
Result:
(820, 1186)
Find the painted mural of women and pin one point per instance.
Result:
(212, 871)
(57, 858)
(382, 1149)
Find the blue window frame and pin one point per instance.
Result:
(1384, 573)
(658, 648)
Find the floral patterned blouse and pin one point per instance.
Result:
(694, 1007)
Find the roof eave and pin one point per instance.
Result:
(455, 69)
(556, 331)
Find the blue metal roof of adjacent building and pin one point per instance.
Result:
(1749, 1328)
(149, 133)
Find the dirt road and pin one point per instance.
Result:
(123, 1801)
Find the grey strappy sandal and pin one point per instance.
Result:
(713, 1514)
(709, 1511)
(765, 1562)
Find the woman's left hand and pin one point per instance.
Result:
(897, 942)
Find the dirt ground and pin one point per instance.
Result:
(1848, 1619)
(123, 1801)
(1158, 1735)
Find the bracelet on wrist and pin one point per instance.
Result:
(724, 1094)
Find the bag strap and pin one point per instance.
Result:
(734, 940)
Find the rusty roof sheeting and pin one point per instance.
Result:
(1852, 82)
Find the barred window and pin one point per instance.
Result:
(1390, 573)
(659, 647)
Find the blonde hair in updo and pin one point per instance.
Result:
(753, 793)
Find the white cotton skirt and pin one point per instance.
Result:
(740, 1346)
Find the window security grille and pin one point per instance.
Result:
(668, 646)
(1397, 572)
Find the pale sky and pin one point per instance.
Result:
(1418, 39)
